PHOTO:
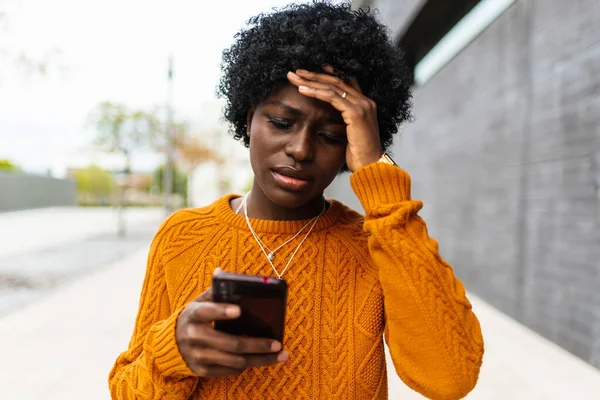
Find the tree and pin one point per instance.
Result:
(8, 166)
(189, 152)
(94, 182)
(180, 180)
(125, 131)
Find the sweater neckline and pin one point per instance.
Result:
(225, 213)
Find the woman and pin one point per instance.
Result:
(313, 90)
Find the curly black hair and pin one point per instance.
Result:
(308, 36)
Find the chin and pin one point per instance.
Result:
(288, 199)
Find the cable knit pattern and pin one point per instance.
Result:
(352, 279)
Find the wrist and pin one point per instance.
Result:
(379, 184)
(165, 348)
(380, 157)
(366, 159)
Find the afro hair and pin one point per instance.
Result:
(308, 36)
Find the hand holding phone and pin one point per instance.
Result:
(262, 301)
(211, 353)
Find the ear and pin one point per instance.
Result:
(249, 117)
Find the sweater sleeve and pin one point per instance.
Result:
(152, 367)
(434, 337)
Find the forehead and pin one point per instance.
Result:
(309, 106)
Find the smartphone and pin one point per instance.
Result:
(262, 301)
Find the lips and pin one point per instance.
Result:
(291, 179)
(292, 173)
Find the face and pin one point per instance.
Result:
(297, 146)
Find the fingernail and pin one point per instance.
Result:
(293, 75)
(232, 311)
(302, 71)
(283, 356)
(305, 88)
(217, 271)
(275, 346)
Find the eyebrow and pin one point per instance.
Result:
(299, 114)
(292, 110)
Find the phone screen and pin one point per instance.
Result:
(262, 302)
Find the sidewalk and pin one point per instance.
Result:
(63, 347)
(43, 249)
(57, 226)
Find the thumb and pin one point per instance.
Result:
(207, 295)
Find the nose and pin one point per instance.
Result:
(300, 146)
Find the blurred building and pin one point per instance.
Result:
(143, 162)
(229, 172)
(21, 191)
(505, 152)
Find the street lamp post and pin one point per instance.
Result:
(168, 170)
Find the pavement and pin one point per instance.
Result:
(41, 250)
(31, 230)
(63, 345)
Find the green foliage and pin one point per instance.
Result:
(8, 166)
(94, 181)
(122, 129)
(179, 181)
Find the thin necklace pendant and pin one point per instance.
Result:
(271, 254)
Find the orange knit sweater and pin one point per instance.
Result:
(353, 278)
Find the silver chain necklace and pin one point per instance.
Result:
(271, 253)
(264, 248)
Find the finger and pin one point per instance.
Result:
(299, 81)
(212, 357)
(354, 82)
(266, 359)
(203, 355)
(351, 95)
(205, 296)
(329, 69)
(238, 344)
(208, 311)
(208, 370)
(329, 96)
(329, 80)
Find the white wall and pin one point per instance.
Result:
(204, 185)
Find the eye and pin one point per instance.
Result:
(280, 124)
(332, 138)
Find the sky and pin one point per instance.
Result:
(115, 50)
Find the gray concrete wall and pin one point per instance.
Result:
(505, 153)
(21, 191)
